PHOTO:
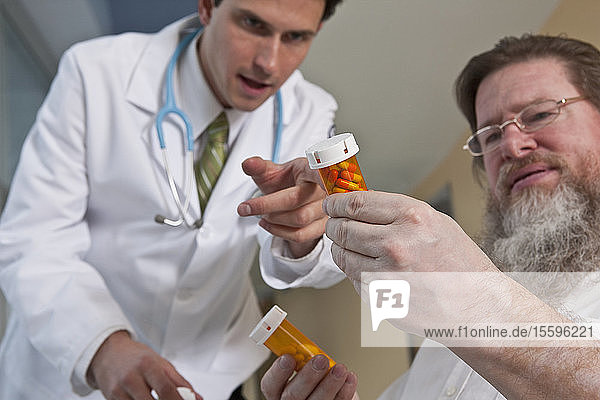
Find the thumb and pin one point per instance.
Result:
(255, 166)
(268, 176)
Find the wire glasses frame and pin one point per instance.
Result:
(530, 119)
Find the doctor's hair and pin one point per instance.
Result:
(580, 59)
(330, 6)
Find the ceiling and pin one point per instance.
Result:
(390, 63)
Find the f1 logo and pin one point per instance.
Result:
(388, 299)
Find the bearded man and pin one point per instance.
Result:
(533, 104)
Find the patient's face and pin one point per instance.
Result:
(527, 160)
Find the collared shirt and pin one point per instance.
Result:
(437, 373)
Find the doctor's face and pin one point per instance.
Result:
(536, 161)
(250, 47)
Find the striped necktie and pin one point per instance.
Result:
(208, 167)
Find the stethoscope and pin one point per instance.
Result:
(171, 108)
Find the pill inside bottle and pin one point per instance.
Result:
(335, 158)
(280, 336)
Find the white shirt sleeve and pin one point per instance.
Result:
(280, 271)
(394, 391)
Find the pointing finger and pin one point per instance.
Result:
(283, 200)
(270, 177)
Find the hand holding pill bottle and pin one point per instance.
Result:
(335, 158)
(281, 337)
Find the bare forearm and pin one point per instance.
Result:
(538, 373)
(541, 369)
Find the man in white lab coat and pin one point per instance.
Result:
(104, 297)
(533, 104)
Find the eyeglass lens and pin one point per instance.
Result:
(530, 119)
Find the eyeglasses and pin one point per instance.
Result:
(530, 119)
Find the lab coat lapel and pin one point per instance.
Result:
(255, 138)
(146, 91)
(146, 82)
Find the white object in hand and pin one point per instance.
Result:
(185, 393)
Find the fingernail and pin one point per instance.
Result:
(244, 210)
(351, 379)
(286, 362)
(338, 370)
(320, 362)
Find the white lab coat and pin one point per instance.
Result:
(81, 254)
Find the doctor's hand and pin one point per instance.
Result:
(291, 206)
(125, 369)
(315, 381)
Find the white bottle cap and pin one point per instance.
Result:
(267, 325)
(331, 151)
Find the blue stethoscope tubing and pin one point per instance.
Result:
(170, 107)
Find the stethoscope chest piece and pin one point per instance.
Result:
(161, 219)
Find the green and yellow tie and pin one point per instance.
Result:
(209, 166)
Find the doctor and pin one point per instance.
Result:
(104, 297)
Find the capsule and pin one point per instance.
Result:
(351, 176)
(332, 176)
(348, 185)
(348, 166)
(339, 190)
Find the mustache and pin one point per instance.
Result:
(503, 183)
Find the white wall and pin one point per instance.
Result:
(32, 38)
(48, 28)
(22, 87)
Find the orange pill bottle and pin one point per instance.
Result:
(281, 337)
(335, 158)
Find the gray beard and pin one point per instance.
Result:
(554, 232)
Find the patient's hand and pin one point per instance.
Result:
(314, 380)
